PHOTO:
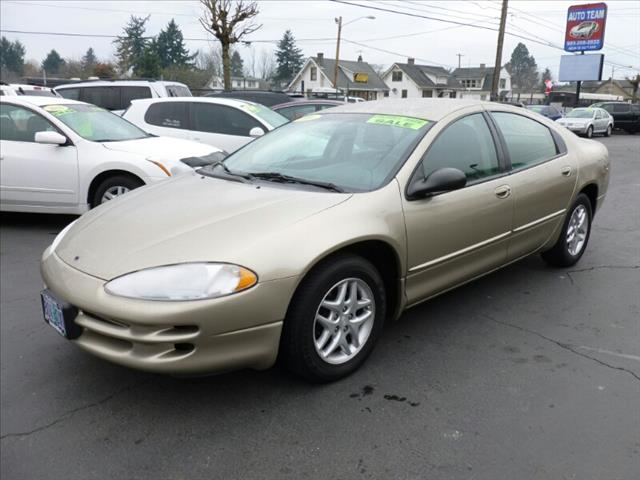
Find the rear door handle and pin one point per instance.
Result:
(503, 191)
(566, 171)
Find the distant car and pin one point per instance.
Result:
(63, 156)
(225, 123)
(625, 115)
(584, 30)
(588, 121)
(117, 95)
(297, 109)
(24, 89)
(548, 111)
(263, 97)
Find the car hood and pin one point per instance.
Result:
(162, 148)
(190, 218)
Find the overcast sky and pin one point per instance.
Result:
(386, 39)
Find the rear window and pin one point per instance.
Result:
(168, 114)
(178, 91)
(621, 108)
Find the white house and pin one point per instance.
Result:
(476, 82)
(238, 83)
(408, 80)
(356, 79)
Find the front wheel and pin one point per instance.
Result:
(574, 236)
(334, 319)
(589, 133)
(608, 132)
(113, 187)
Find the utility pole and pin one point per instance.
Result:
(335, 71)
(459, 55)
(498, 64)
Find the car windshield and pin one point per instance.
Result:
(355, 152)
(580, 113)
(265, 114)
(36, 93)
(94, 123)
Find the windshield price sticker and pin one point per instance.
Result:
(307, 118)
(57, 110)
(251, 108)
(402, 122)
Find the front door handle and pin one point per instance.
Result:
(503, 191)
(566, 171)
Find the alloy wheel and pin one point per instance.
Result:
(343, 321)
(577, 230)
(113, 192)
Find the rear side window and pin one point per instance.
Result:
(222, 119)
(528, 142)
(133, 93)
(70, 93)
(168, 114)
(178, 91)
(467, 145)
(621, 108)
(294, 112)
(104, 97)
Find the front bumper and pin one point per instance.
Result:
(579, 129)
(178, 338)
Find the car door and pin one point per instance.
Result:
(222, 126)
(164, 118)
(455, 236)
(34, 174)
(543, 178)
(623, 116)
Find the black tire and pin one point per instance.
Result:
(297, 349)
(559, 255)
(608, 132)
(589, 133)
(127, 181)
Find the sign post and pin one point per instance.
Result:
(585, 31)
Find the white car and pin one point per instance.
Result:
(63, 156)
(116, 95)
(588, 121)
(222, 122)
(12, 89)
(584, 30)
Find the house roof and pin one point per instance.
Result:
(418, 73)
(485, 73)
(374, 82)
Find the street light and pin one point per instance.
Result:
(338, 20)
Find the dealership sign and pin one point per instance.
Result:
(585, 27)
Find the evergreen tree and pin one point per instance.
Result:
(289, 58)
(237, 65)
(171, 48)
(53, 63)
(89, 61)
(131, 47)
(523, 68)
(148, 65)
(12, 56)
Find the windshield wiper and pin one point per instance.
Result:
(279, 177)
(226, 169)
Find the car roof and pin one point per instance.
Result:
(432, 109)
(231, 102)
(308, 102)
(115, 83)
(40, 101)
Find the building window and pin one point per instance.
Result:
(503, 83)
(404, 94)
(396, 76)
(427, 93)
(483, 97)
(386, 94)
(314, 73)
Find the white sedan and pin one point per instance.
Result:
(222, 122)
(64, 156)
(588, 121)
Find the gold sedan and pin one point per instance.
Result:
(301, 244)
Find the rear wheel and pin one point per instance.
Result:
(113, 187)
(574, 236)
(334, 319)
(608, 132)
(589, 133)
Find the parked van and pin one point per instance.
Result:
(117, 95)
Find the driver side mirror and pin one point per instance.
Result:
(439, 181)
(256, 132)
(50, 138)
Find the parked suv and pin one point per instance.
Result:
(625, 115)
(117, 95)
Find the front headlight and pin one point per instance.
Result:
(187, 281)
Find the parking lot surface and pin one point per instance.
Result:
(529, 373)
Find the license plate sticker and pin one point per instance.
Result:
(53, 314)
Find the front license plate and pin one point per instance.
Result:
(59, 315)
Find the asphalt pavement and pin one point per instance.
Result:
(529, 373)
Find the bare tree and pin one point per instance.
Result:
(635, 83)
(229, 21)
(251, 64)
(267, 65)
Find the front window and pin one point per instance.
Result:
(356, 152)
(503, 83)
(580, 113)
(19, 124)
(94, 123)
(314, 73)
(396, 76)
